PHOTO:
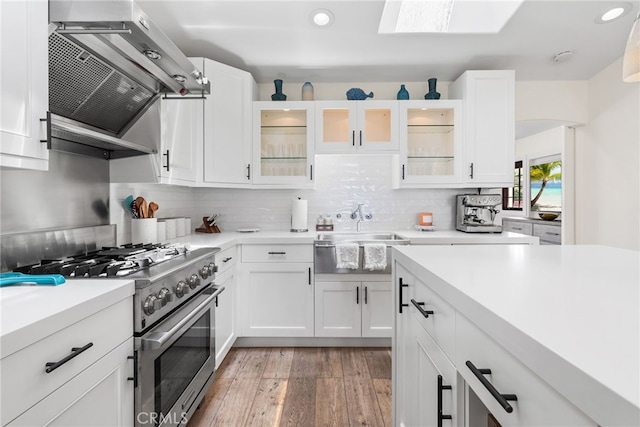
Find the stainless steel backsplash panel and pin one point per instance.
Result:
(29, 248)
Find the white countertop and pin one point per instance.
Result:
(438, 237)
(31, 313)
(570, 313)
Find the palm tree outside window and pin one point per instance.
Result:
(546, 186)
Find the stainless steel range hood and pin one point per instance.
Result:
(108, 63)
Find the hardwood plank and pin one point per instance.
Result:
(331, 405)
(362, 402)
(231, 363)
(378, 362)
(304, 363)
(354, 363)
(300, 403)
(329, 363)
(206, 412)
(279, 363)
(233, 411)
(254, 362)
(383, 392)
(268, 403)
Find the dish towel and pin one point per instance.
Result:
(375, 256)
(347, 255)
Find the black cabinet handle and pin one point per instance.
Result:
(52, 366)
(441, 387)
(358, 295)
(365, 295)
(227, 259)
(309, 276)
(401, 285)
(402, 171)
(471, 171)
(503, 399)
(361, 138)
(277, 253)
(167, 165)
(134, 378)
(353, 138)
(249, 171)
(422, 311)
(311, 172)
(216, 301)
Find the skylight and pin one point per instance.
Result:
(446, 16)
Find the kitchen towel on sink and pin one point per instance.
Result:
(375, 256)
(347, 255)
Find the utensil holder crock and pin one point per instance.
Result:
(144, 230)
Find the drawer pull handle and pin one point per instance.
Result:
(227, 259)
(501, 398)
(358, 295)
(552, 234)
(422, 311)
(134, 378)
(365, 295)
(52, 366)
(401, 285)
(441, 387)
(277, 253)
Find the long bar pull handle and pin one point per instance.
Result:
(503, 399)
(358, 295)
(361, 138)
(401, 285)
(167, 165)
(353, 138)
(75, 351)
(249, 171)
(403, 172)
(277, 253)
(309, 276)
(365, 295)
(441, 387)
(227, 259)
(422, 311)
(134, 378)
(471, 171)
(311, 172)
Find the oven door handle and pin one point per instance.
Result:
(158, 339)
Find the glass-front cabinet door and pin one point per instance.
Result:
(283, 143)
(356, 126)
(430, 142)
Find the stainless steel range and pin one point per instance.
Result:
(174, 303)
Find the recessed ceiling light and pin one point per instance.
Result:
(322, 17)
(612, 13)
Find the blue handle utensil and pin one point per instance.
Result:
(9, 279)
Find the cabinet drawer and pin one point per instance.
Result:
(24, 379)
(277, 253)
(537, 403)
(517, 227)
(441, 324)
(225, 259)
(549, 233)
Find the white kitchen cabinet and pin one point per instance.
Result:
(276, 290)
(177, 123)
(356, 126)
(228, 113)
(226, 303)
(401, 356)
(489, 135)
(283, 152)
(431, 143)
(94, 380)
(353, 309)
(101, 395)
(24, 84)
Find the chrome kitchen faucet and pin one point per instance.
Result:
(357, 213)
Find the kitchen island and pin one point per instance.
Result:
(567, 317)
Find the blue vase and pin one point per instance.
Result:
(432, 94)
(278, 96)
(402, 93)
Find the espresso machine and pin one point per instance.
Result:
(476, 213)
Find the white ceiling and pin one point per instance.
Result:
(275, 39)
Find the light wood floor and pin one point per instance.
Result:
(299, 387)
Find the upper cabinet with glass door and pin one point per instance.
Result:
(430, 143)
(283, 143)
(356, 126)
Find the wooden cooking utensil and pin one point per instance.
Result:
(142, 207)
(153, 207)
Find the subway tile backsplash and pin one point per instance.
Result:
(342, 181)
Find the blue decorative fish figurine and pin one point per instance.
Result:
(357, 94)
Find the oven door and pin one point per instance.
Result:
(176, 362)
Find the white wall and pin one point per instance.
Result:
(608, 163)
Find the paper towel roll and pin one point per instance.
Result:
(299, 216)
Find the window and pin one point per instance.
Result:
(512, 197)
